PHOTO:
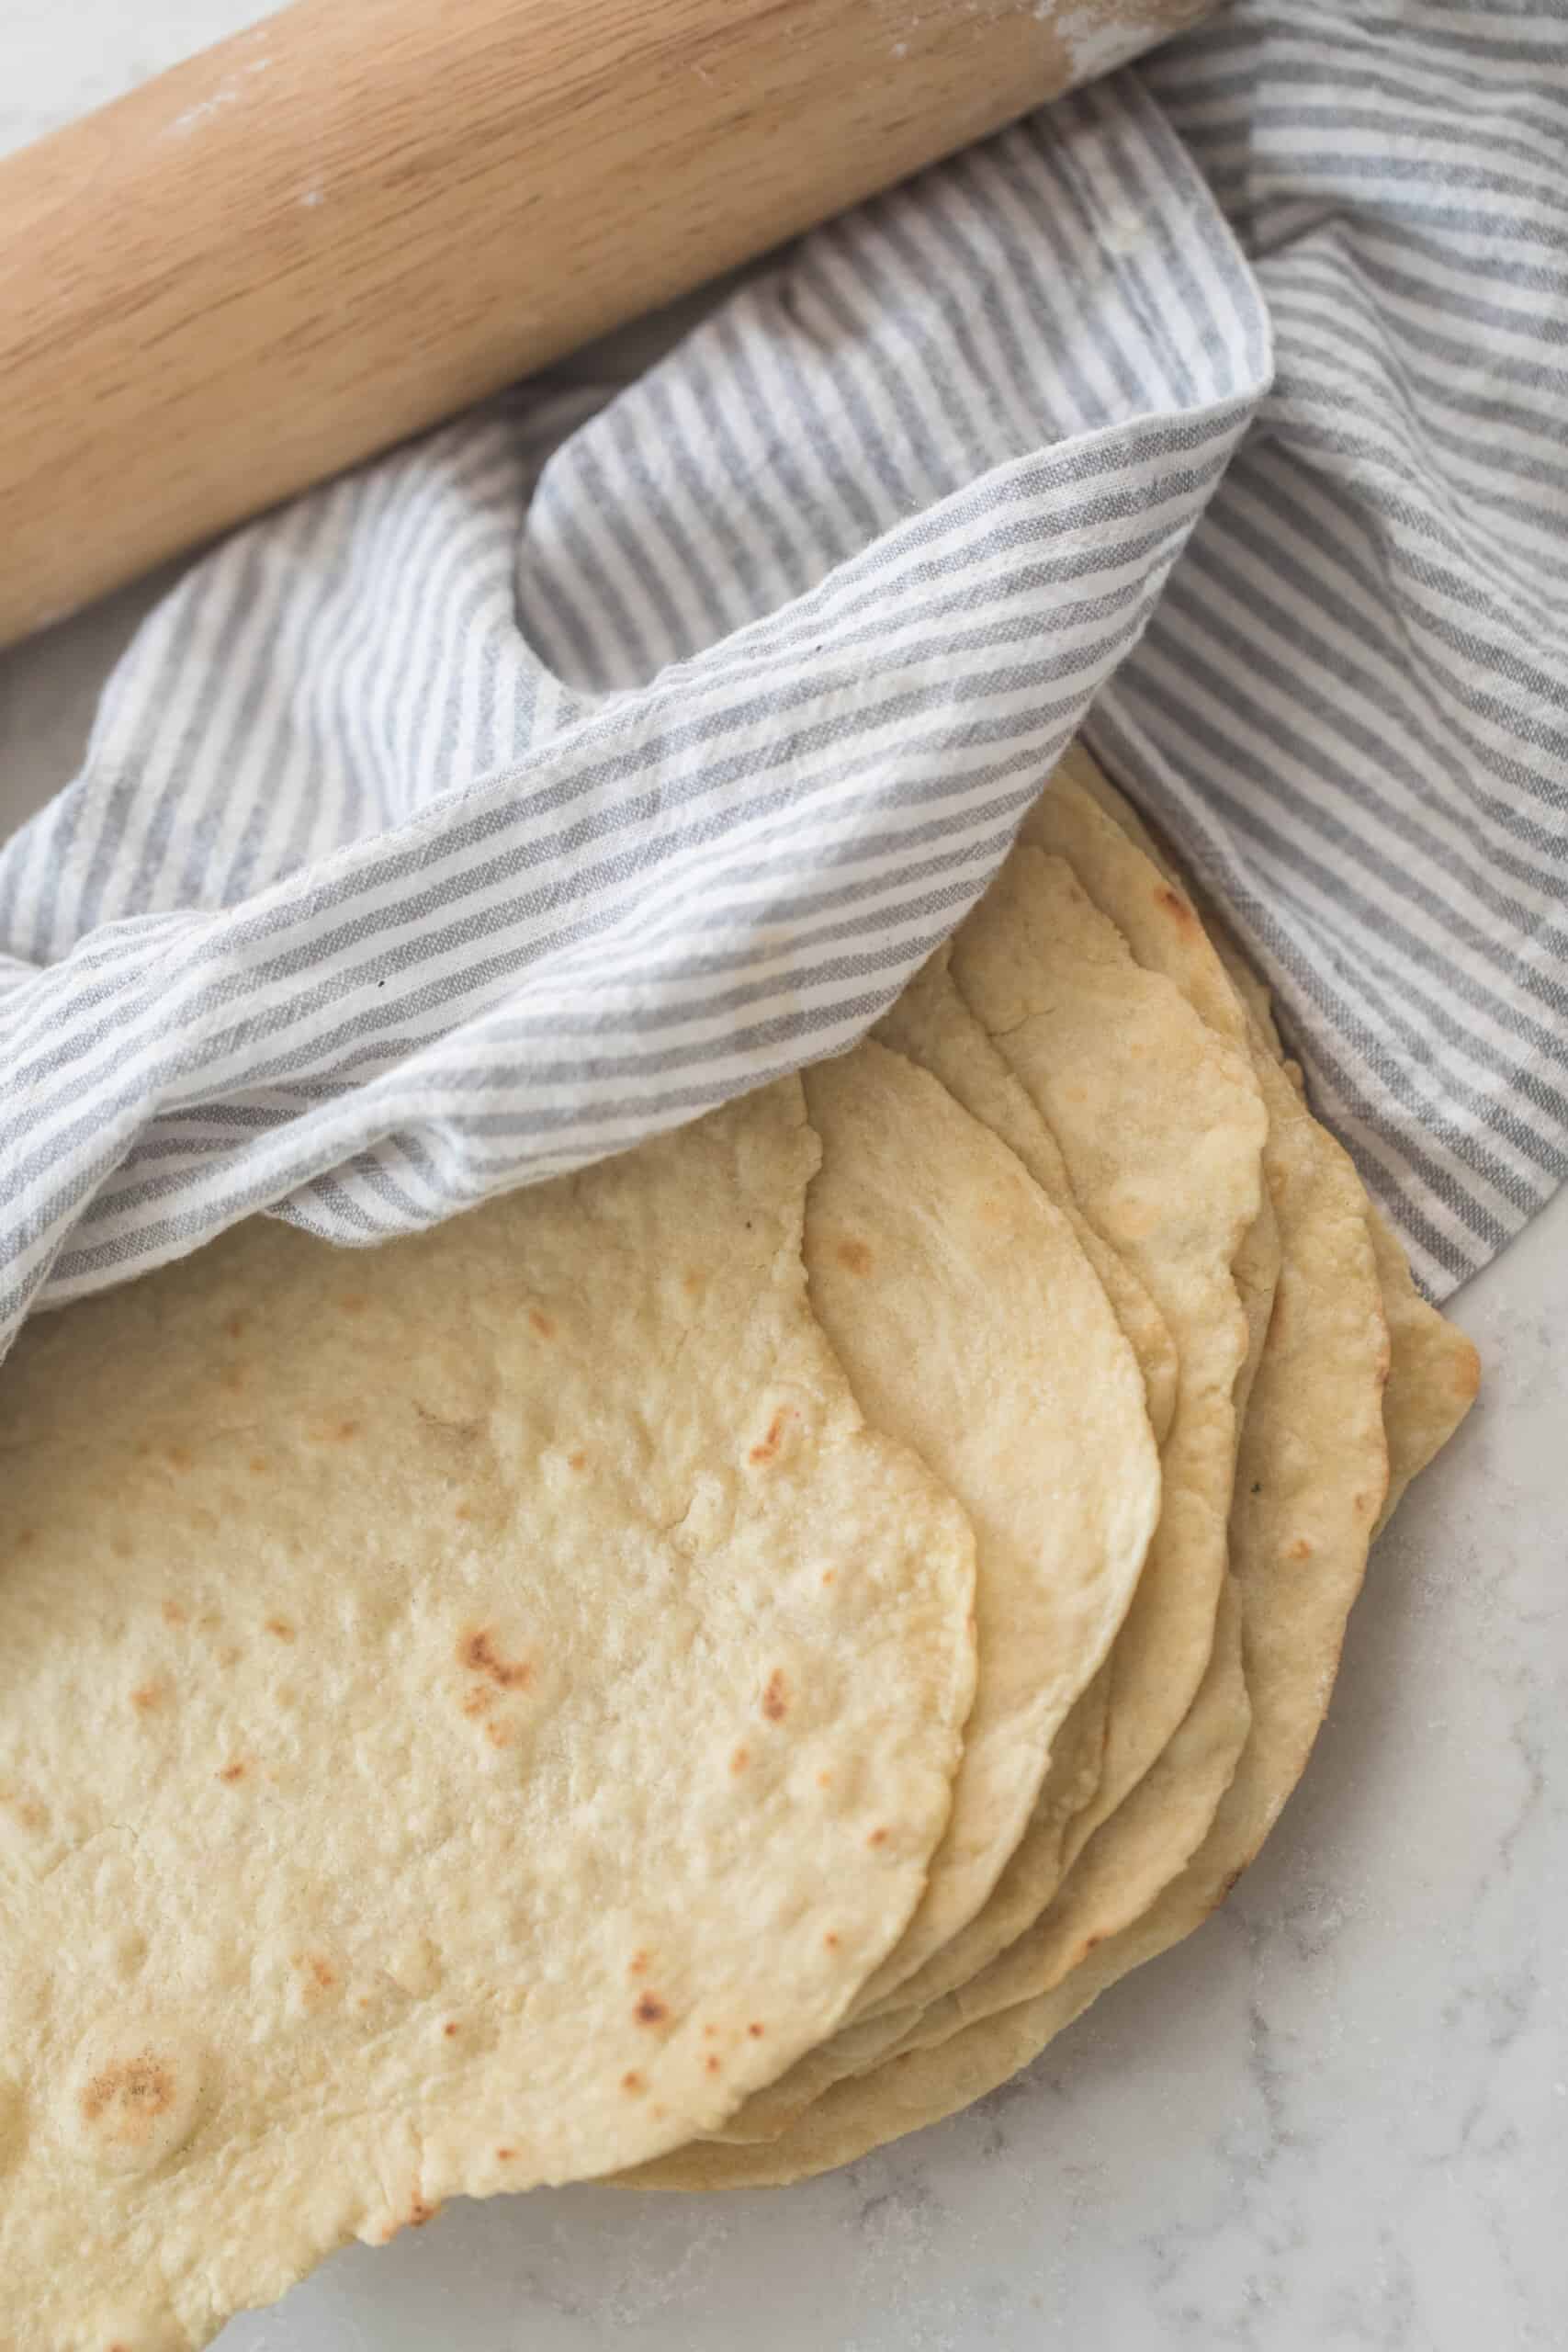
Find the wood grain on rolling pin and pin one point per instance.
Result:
(331, 231)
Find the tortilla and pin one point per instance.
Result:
(973, 1328)
(1123, 1719)
(1164, 934)
(1046, 1912)
(1434, 1368)
(1291, 1512)
(472, 1712)
(1155, 918)
(1177, 1798)
(1161, 1124)
(931, 1026)
(1434, 1371)
(1169, 1138)
(1311, 1473)
(1149, 1838)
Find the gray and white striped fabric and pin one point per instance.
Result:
(1351, 709)
(606, 755)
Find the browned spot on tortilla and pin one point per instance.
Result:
(691, 1281)
(478, 1652)
(280, 1629)
(479, 1701)
(234, 1326)
(343, 1430)
(231, 1772)
(739, 1760)
(148, 1697)
(1134, 1219)
(464, 1511)
(632, 2081)
(855, 1256)
(542, 1323)
(638, 1965)
(878, 1838)
(1174, 904)
(712, 2064)
(824, 1779)
(25, 1536)
(832, 1940)
(450, 2028)
(352, 1302)
(256, 1465)
(576, 1461)
(830, 1575)
(229, 1654)
(178, 1457)
(1299, 1550)
(709, 2032)
(419, 2212)
(26, 1809)
(650, 2010)
(755, 2031)
(138, 2089)
(504, 2156)
(775, 1696)
(1363, 1504)
(501, 1735)
(233, 1377)
(318, 1968)
(659, 2113)
(769, 1446)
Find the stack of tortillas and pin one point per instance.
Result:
(695, 1669)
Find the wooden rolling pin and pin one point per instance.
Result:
(348, 223)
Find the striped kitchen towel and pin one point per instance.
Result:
(612, 751)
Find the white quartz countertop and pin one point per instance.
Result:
(1336, 2117)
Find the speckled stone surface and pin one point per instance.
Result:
(1336, 2117)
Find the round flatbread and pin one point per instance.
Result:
(1433, 1370)
(1153, 1127)
(1310, 1475)
(1161, 1124)
(974, 1330)
(974, 1327)
(470, 1713)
